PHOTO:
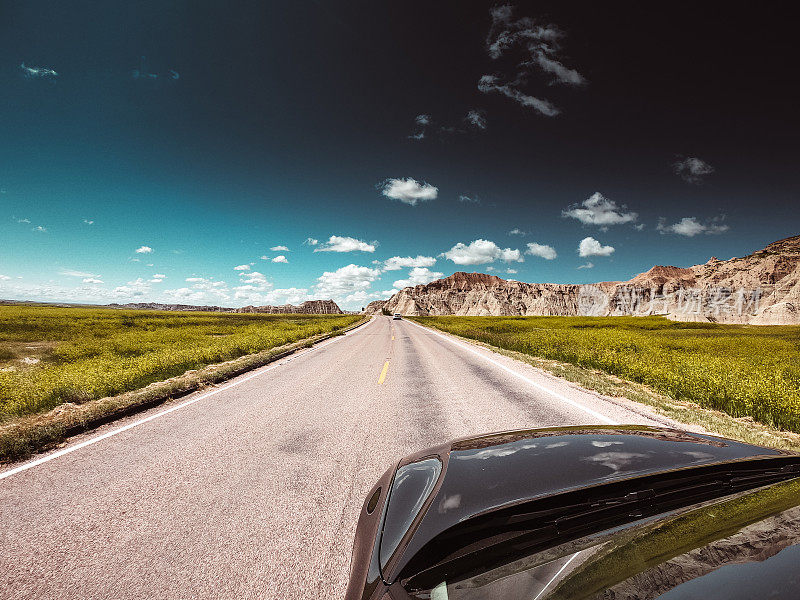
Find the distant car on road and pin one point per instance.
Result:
(397, 317)
(582, 512)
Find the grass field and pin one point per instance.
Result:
(51, 355)
(742, 370)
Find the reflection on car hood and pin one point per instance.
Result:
(488, 472)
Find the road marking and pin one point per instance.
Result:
(382, 378)
(94, 440)
(538, 386)
(561, 570)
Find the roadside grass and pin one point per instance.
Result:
(75, 355)
(738, 381)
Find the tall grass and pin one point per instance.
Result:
(103, 352)
(742, 370)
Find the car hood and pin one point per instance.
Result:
(486, 473)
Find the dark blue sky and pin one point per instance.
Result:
(271, 123)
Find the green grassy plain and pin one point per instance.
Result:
(745, 371)
(52, 355)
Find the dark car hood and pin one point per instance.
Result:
(483, 474)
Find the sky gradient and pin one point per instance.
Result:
(151, 148)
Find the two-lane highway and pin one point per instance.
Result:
(253, 490)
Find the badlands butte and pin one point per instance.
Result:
(762, 288)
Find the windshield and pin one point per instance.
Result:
(413, 484)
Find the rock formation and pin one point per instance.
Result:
(762, 288)
(309, 307)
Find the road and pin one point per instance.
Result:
(253, 490)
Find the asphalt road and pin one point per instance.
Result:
(253, 490)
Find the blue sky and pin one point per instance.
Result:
(268, 126)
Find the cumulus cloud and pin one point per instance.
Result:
(540, 43)
(396, 263)
(692, 169)
(516, 231)
(144, 250)
(338, 243)
(158, 278)
(4, 277)
(417, 276)
(542, 251)
(480, 252)
(280, 259)
(311, 242)
(691, 226)
(476, 118)
(279, 249)
(349, 284)
(408, 190)
(599, 210)
(591, 247)
(241, 268)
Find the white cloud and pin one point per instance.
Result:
(396, 263)
(692, 169)
(241, 268)
(133, 289)
(516, 231)
(279, 249)
(690, 226)
(476, 118)
(511, 271)
(541, 250)
(74, 273)
(489, 83)
(472, 199)
(338, 243)
(88, 222)
(417, 276)
(92, 280)
(39, 229)
(4, 277)
(421, 122)
(311, 242)
(144, 250)
(599, 210)
(408, 190)
(591, 247)
(480, 252)
(280, 259)
(562, 73)
(541, 43)
(158, 278)
(26, 221)
(588, 265)
(350, 283)
(38, 72)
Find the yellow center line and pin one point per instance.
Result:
(382, 378)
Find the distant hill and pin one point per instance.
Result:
(761, 288)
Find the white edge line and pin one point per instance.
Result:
(113, 432)
(538, 386)
(566, 564)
